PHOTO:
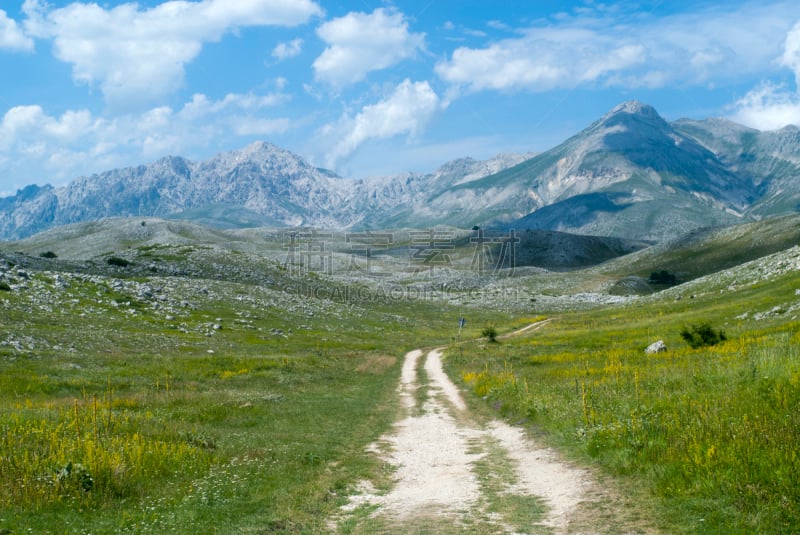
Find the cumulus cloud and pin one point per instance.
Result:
(406, 111)
(604, 49)
(38, 144)
(768, 107)
(30, 122)
(288, 50)
(771, 106)
(539, 61)
(63, 147)
(136, 54)
(11, 35)
(791, 52)
(359, 43)
(201, 106)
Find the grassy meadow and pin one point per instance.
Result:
(247, 410)
(709, 434)
(138, 400)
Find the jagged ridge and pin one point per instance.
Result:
(630, 174)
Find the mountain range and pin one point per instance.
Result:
(630, 174)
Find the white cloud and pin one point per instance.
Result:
(498, 25)
(34, 143)
(137, 54)
(474, 33)
(201, 106)
(288, 50)
(606, 49)
(11, 35)
(59, 148)
(29, 123)
(540, 61)
(359, 43)
(406, 111)
(770, 106)
(791, 52)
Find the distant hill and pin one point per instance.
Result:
(706, 251)
(87, 241)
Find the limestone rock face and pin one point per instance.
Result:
(630, 174)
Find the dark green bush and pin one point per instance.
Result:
(4, 286)
(662, 277)
(490, 333)
(117, 261)
(702, 335)
(48, 254)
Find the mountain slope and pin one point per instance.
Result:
(770, 160)
(630, 174)
(261, 177)
(261, 184)
(707, 251)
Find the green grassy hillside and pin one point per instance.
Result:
(708, 433)
(134, 403)
(709, 250)
(209, 384)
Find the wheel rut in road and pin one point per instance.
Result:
(454, 474)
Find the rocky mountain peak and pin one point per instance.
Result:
(790, 129)
(634, 107)
(455, 165)
(261, 148)
(609, 179)
(257, 151)
(634, 112)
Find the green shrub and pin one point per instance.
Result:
(662, 277)
(48, 254)
(75, 475)
(4, 286)
(117, 261)
(491, 333)
(702, 335)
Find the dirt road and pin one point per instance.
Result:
(456, 474)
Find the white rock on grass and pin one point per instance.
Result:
(656, 347)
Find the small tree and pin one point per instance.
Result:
(490, 333)
(702, 335)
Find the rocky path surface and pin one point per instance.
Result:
(455, 474)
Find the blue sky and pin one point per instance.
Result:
(369, 87)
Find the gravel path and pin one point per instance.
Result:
(435, 450)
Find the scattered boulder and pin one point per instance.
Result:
(631, 286)
(656, 347)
